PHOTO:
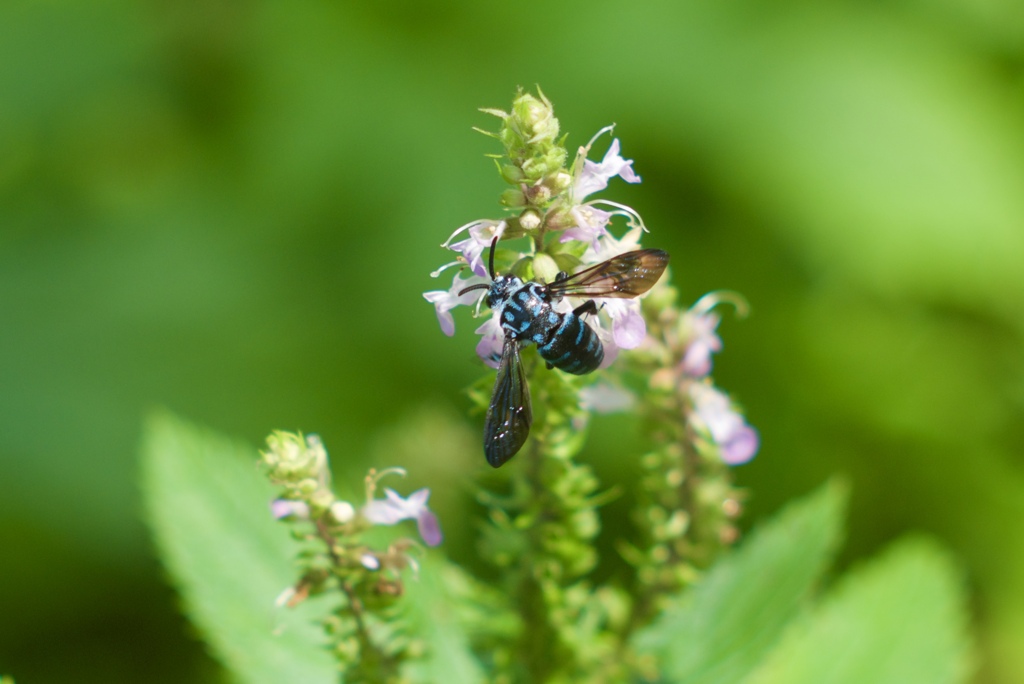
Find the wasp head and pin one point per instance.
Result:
(501, 289)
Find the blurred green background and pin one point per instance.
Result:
(231, 208)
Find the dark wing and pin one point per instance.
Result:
(626, 275)
(510, 414)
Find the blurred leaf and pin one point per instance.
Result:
(724, 626)
(434, 609)
(880, 362)
(207, 507)
(899, 619)
(884, 155)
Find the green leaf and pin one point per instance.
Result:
(434, 601)
(207, 507)
(722, 628)
(902, 618)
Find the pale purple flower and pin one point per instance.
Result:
(590, 177)
(446, 300)
(369, 561)
(609, 246)
(628, 325)
(481, 233)
(594, 176)
(393, 509)
(287, 508)
(611, 350)
(714, 412)
(590, 225)
(492, 340)
(703, 342)
(700, 330)
(429, 528)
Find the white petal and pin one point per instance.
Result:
(382, 513)
(417, 501)
(603, 397)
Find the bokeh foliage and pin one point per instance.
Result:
(764, 614)
(231, 209)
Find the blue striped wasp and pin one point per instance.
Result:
(564, 340)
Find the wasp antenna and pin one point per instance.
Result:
(490, 259)
(478, 286)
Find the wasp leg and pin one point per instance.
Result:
(587, 307)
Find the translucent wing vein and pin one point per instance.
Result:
(510, 414)
(624, 276)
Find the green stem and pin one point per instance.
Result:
(538, 638)
(553, 513)
(373, 664)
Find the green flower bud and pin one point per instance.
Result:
(530, 137)
(321, 500)
(566, 262)
(513, 197)
(585, 523)
(675, 477)
(529, 220)
(285, 448)
(291, 459)
(559, 218)
(545, 268)
(657, 514)
(541, 167)
(678, 523)
(512, 174)
(342, 511)
(347, 650)
(524, 268)
(511, 138)
(535, 118)
(559, 182)
(554, 159)
(539, 195)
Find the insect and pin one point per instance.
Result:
(564, 340)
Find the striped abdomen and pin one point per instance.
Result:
(572, 346)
